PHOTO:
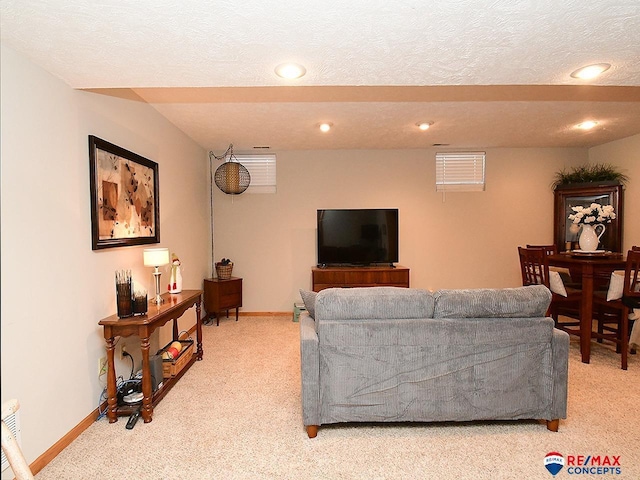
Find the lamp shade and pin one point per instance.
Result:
(232, 178)
(156, 257)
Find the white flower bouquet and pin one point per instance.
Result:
(594, 213)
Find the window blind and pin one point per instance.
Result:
(262, 168)
(460, 171)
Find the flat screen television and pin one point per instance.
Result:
(358, 236)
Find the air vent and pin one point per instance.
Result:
(12, 421)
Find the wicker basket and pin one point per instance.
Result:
(224, 271)
(170, 368)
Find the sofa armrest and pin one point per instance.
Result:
(310, 370)
(560, 373)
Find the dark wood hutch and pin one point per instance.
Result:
(604, 193)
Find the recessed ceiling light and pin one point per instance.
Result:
(424, 125)
(290, 71)
(588, 125)
(325, 127)
(591, 71)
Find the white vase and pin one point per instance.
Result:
(589, 238)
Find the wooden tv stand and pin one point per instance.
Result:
(385, 276)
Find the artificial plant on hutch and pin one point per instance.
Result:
(588, 174)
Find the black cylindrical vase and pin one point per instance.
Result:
(124, 294)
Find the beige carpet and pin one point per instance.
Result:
(237, 415)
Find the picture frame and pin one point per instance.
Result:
(568, 196)
(125, 198)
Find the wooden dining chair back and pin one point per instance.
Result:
(570, 279)
(533, 266)
(631, 290)
(564, 308)
(631, 293)
(613, 313)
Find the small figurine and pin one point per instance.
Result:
(175, 281)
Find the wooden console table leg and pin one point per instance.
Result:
(175, 329)
(198, 333)
(147, 405)
(112, 397)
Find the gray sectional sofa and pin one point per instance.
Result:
(386, 354)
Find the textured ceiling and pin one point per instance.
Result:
(486, 72)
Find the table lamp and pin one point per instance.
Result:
(156, 257)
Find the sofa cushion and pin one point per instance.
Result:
(373, 303)
(432, 332)
(309, 299)
(531, 301)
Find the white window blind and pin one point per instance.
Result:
(262, 168)
(460, 171)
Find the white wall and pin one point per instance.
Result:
(55, 289)
(469, 240)
(625, 154)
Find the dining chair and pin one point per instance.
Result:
(613, 308)
(565, 300)
(565, 274)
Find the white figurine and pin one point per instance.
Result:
(175, 281)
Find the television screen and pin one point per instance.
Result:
(357, 237)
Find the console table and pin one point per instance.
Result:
(143, 326)
(328, 277)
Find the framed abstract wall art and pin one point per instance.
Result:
(124, 197)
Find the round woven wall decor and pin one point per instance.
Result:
(232, 178)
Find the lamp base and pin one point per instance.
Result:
(157, 300)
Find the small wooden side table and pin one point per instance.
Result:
(222, 295)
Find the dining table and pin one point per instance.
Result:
(588, 266)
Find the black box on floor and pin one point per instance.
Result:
(155, 365)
